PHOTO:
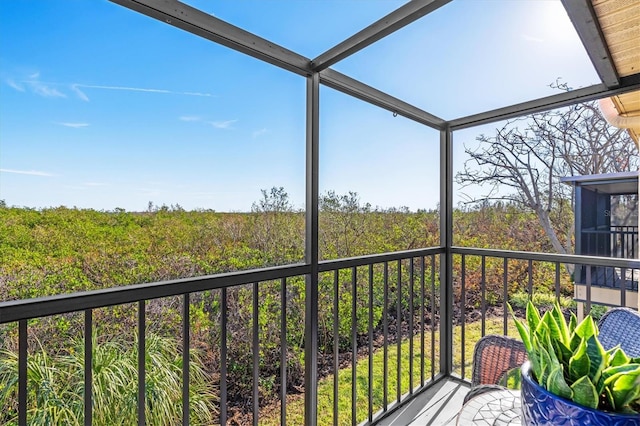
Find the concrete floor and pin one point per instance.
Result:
(437, 406)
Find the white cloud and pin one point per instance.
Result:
(79, 93)
(260, 132)
(189, 118)
(15, 85)
(27, 172)
(141, 89)
(44, 90)
(223, 124)
(74, 125)
(49, 90)
(532, 38)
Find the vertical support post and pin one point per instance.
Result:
(311, 253)
(88, 367)
(446, 242)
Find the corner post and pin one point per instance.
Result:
(311, 253)
(446, 242)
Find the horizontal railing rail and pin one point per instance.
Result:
(486, 279)
(551, 257)
(15, 310)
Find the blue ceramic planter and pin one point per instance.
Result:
(542, 408)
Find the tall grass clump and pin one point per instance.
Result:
(56, 385)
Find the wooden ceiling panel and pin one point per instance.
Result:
(619, 21)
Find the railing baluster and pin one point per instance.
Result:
(433, 317)
(588, 290)
(186, 359)
(399, 333)
(623, 287)
(223, 356)
(370, 395)
(483, 290)
(88, 367)
(422, 316)
(336, 347)
(22, 373)
(463, 313)
(530, 284)
(411, 326)
(142, 356)
(557, 281)
(354, 342)
(385, 332)
(283, 351)
(505, 295)
(256, 356)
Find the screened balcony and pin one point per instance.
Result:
(412, 310)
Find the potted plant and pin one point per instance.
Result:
(570, 378)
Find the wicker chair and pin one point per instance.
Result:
(621, 326)
(493, 356)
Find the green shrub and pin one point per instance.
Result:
(544, 301)
(55, 385)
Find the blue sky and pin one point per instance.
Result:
(101, 107)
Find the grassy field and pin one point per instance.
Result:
(295, 404)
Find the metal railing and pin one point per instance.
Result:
(388, 303)
(393, 304)
(614, 241)
(492, 277)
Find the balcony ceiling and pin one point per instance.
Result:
(619, 21)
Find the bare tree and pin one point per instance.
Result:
(525, 159)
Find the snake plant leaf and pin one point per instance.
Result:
(573, 321)
(555, 363)
(552, 326)
(586, 328)
(575, 341)
(523, 331)
(612, 373)
(558, 316)
(609, 398)
(564, 353)
(546, 365)
(584, 392)
(535, 357)
(542, 331)
(597, 358)
(618, 357)
(579, 363)
(557, 385)
(533, 316)
(626, 388)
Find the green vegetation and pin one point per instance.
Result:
(295, 404)
(61, 250)
(56, 381)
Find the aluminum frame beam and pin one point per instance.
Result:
(446, 259)
(311, 250)
(585, 21)
(352, 87)
(207, 26)
(394, 21)
(627, 84)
